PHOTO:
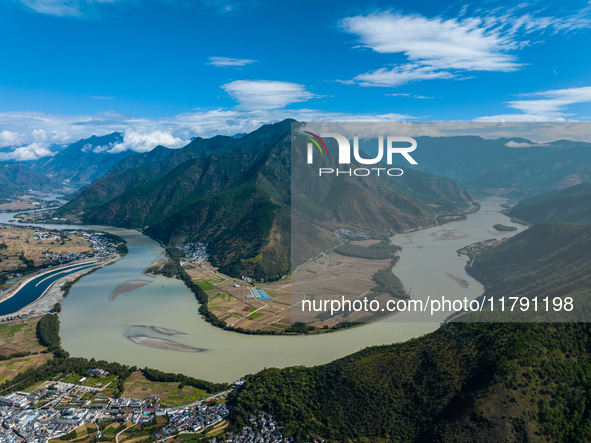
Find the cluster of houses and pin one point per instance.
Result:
(101, 247)
(192, 419)
(58, 408)
(348, 234)
(262, 429)
(194, 252)
(65, 257)
(43, 236)
(477, 248)
(39, 425)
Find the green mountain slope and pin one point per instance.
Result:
(156, 155)
(551, 259)
(571, 205)
(261, 138)
(463, 383)
(143, 169)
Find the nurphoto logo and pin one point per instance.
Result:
(345, 154)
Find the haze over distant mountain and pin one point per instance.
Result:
(234, 194)
(82, 162)
(571, 205)
(493, 166)
(16, 178)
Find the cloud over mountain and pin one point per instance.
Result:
(264, 94)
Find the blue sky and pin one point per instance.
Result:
(163, 71)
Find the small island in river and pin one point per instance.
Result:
(128, 286)
(501, 227)
(161, 343)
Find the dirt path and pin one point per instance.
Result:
(121, 432)
(24, 249)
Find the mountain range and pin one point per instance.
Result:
(236, 195)
(493, 167)
(515, 167)
(82, 162)
(16, 178)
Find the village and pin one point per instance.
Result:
(23, 250)
(194, 252)
(58, 409)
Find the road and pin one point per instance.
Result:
(221, 394)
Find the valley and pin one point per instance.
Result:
(94, 327)
(203, 284)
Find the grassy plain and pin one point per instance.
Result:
(138, 386)
(18, 337)
(24, 241)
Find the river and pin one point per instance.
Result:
(94, 327)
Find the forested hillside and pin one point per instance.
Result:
(571, 205)
(464, 383)
(551, 259)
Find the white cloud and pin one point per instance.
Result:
(400, 75)
(513, 144)
(226, 61)
(550, 107)
(146, 140)
(84, 8)
(34, 151)
(409, 95)
(62, 8)
(100, 97)
(32, 133)
(8, 138)
(437, 48)
(263, 94)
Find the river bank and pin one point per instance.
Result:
(9, 293)
(94, 327)
(55, 291)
